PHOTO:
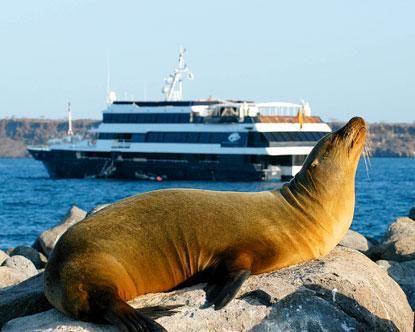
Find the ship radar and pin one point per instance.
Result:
(173, 88)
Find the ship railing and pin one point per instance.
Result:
(38, 147)
(283, 109)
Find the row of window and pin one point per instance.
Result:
(262, 139)
(146, 118)
(253, 139)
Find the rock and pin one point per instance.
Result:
(303, 311)
(404, 274)
(54, 321)
(23, 299)
(356, 241)
(47, 240)
(3, 256)
(38, 259)
(399, 241)
(10, 276)
(331, 293)
(412, 213)
(97, 208)
(21, 264)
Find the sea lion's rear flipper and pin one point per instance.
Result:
(128, 319)
(219, 294)
(159, 310)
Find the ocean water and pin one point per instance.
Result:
(31, 202)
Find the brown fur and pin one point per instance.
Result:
(156, 241)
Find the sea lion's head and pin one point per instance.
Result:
(331, 165)
(323, 191)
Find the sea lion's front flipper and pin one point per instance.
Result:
(128, 319)
(159, 310)
(219, 294)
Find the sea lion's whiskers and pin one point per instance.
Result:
(365, 158)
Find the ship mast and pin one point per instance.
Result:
(173, 88)
(70, 131)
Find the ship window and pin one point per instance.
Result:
(204, 137)
(285, 136)
(279, 136)
(320, 135)
(192, 137)
(217, 138)
(103, 136)
(123, 136)
(138, 138)
(155, 137)
(312, 136)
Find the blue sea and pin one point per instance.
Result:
(31, 202)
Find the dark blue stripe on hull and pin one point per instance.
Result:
(66, 165)
(104, 168)
(141, 166)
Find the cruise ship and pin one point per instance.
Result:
(176, 139)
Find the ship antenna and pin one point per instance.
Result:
(70, 131)
(108, 81)
(173, 88)
(111, 96)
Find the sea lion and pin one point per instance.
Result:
(161, 240)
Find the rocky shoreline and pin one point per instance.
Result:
(360, 285)
(385, 139)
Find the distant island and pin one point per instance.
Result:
(385, 139)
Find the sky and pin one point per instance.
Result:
(345, 58)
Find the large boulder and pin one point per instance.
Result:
(404, 274)
(344, 291)
(23, 299)
(47, 240)
(412, 213)
(3, 256)
(21, 264)
(398, 242)
(356, 241)
(10, 276)
(38, 259)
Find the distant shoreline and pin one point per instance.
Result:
(390, 140)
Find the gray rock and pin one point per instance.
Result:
(356, 241)
(303, 311)
(399, 241)
(23, 299)
(404, 274)
(37, 258)
(10, 276)
(3, 256)
(341, 291)
(54, 321)
(97, 208)
(47, 240)
(412, 213)
(21, 264)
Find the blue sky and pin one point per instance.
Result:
(345, 57)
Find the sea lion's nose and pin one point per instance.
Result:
(357, 122)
